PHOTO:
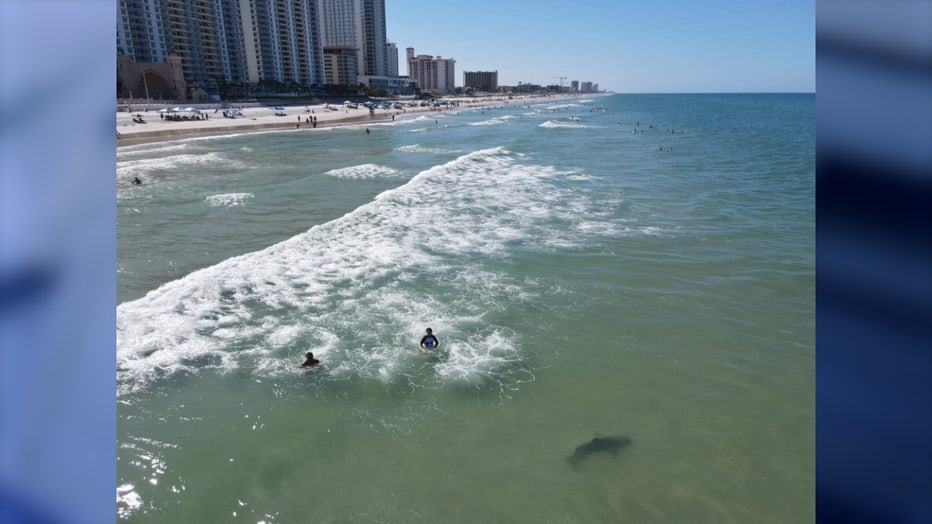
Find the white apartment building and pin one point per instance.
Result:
(234, 41)
(282, 41)
(243, 42)
(340, 65)
(391, 55)
(434, 75)
(359, 24)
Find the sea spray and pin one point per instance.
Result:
(377, 266)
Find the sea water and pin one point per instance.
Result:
(626, 264)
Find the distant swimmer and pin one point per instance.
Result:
(309, 360)
(136, 181)
(429, 341)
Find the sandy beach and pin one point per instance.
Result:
(155, 128)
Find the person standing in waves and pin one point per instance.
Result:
(429, 342)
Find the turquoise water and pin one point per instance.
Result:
(625, 264)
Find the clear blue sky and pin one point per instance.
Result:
(631, 46)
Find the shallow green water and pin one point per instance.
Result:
(581, 279)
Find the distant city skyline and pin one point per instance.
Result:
(674, 46)
(731, 46)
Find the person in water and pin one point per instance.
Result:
(136, 181)
(429, 341)
(309, 360)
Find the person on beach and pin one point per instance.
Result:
(309, 360)
(429, 341)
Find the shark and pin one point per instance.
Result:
(610, 444)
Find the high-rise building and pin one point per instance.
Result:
(340, 65)
(431, 74)
(225, 41)
(374, 38)
(282, 40)
(481, 80)
(338, 22)
(391, 56)
(359, 24)
(206, 34)
(574, 86)
(140, 31)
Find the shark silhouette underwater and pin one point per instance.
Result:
(599, 445)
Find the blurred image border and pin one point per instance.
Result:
(58, 262)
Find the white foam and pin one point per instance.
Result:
(129, 152)
(558, 107)
(228, 200)
(424, 118)
(494, 121)
(187, 161)
(416, 148)
(556, 124)
(128, 501)
(364, 171)
(352, 290)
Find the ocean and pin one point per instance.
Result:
(637, 265)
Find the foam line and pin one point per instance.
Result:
(353, 290)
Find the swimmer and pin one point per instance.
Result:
(429, 341)
(309, 360)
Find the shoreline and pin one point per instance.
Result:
(260, 119)
(202, 128)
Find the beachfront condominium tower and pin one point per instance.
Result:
(225, 41)
(358, 24)
(433, 75)
(391, 58)
(206, 34)
(481, 80)
(282, 41)
(340, 65)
